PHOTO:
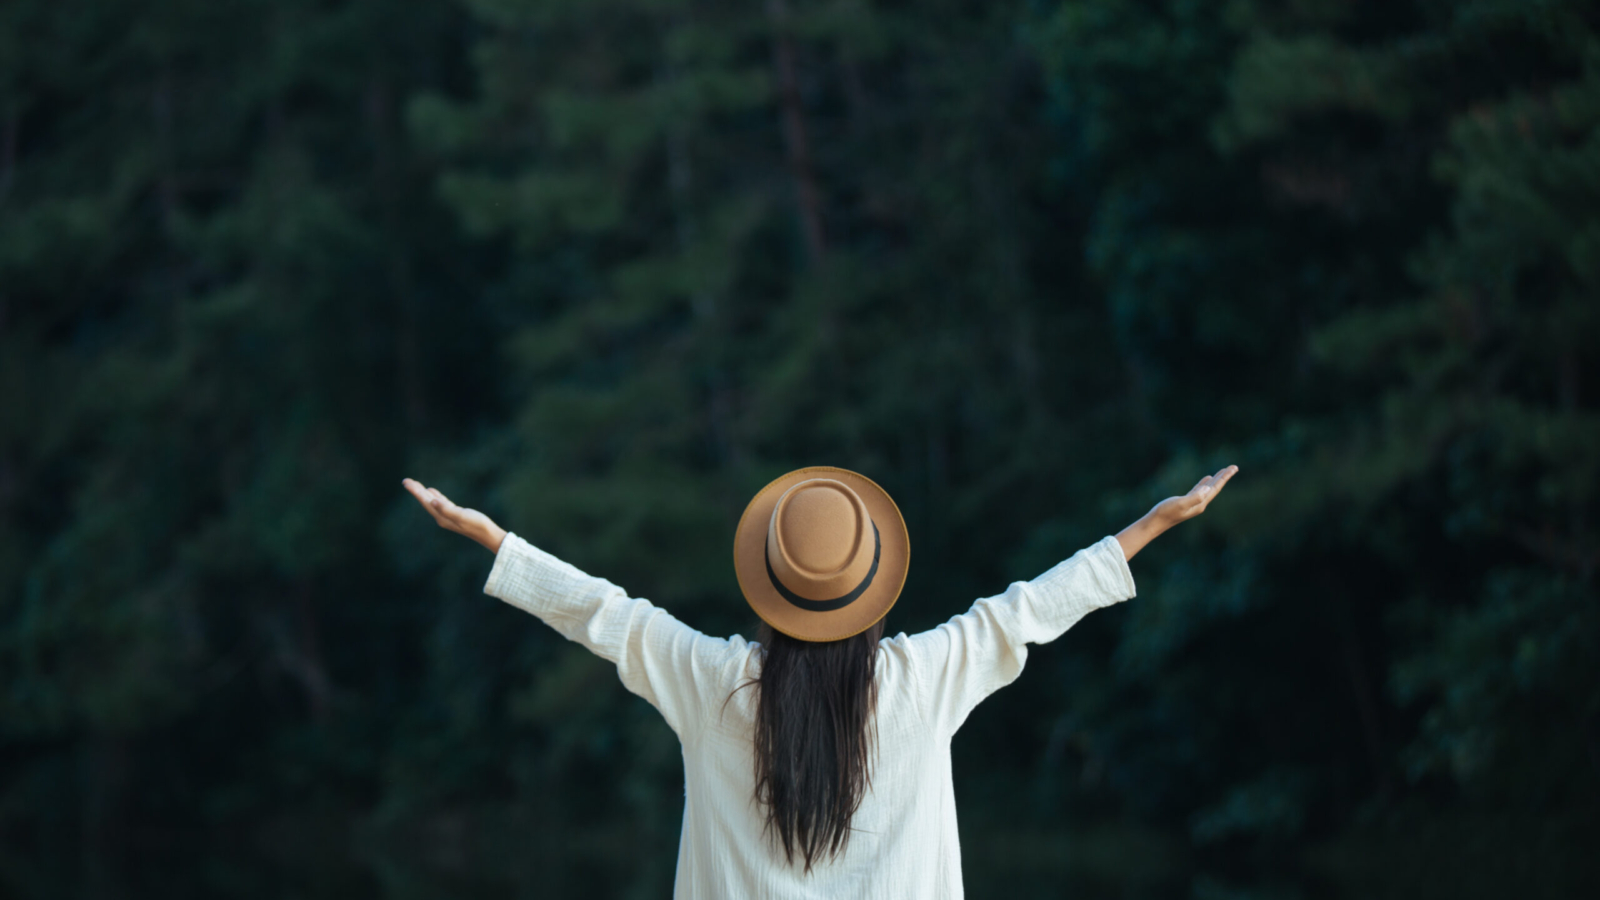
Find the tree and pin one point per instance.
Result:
(1368, 225)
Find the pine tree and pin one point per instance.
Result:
(1372, 226)
(209, 341)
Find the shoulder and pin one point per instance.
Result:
(899, 660)
(729, 686)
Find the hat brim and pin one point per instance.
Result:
(750, 561)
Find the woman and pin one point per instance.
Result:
(817, 761)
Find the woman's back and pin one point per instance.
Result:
(903, 838)
(903, 841)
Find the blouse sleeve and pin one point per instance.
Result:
(973, 655)
(657, 657)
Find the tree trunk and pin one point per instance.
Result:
(312, 669)
(794, 132)
(379, 109)
(1366, 703)
(8, 153)
(105, 764)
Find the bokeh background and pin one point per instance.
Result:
(602, 268)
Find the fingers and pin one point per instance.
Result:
(437, 504)
(1221, 478)
(1205, 490)
(1211, 485)
(418, 491)
(431, 498)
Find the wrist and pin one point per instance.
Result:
(1158, 521)
(492, 537)
(1152, 526)
(1145, 529)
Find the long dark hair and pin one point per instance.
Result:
(814, 717)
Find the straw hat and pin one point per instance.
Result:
(821, 553)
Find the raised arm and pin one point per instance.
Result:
(966, 659)
(673, 666)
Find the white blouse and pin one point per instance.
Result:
(903, 842)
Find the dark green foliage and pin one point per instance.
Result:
(1370, 232)
(604, 268)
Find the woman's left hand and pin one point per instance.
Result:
(455, 518)
(1180, 509)
(1173, 510)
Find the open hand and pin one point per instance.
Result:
(455, 518)
(1178, 509)
(1173, 510)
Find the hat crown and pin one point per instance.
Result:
(819, 539)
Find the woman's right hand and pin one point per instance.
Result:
(455, 518)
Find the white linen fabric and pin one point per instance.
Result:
(904, 841)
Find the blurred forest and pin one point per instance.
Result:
(602, 268)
